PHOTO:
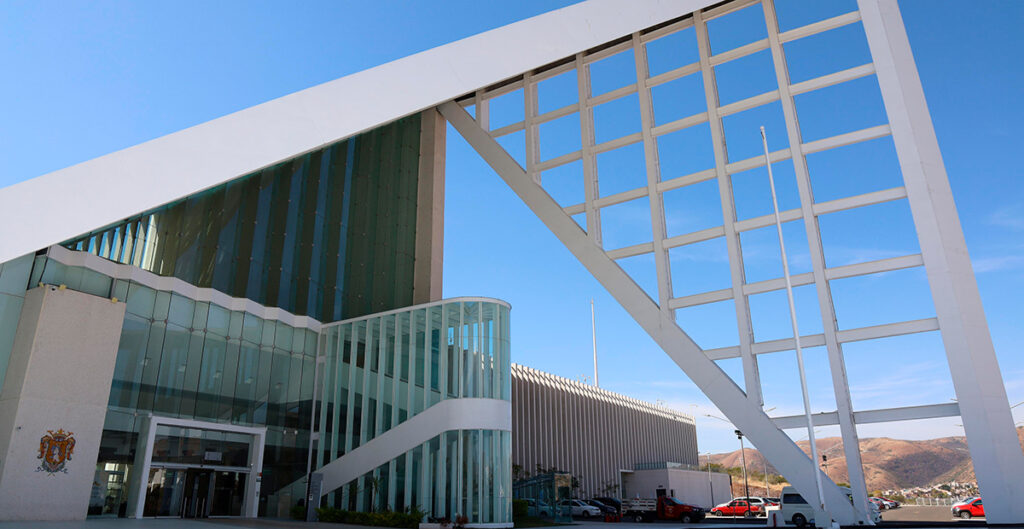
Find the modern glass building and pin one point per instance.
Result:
(279, 324)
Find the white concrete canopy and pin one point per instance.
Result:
(104, 190)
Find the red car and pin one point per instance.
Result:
(739, 507)
(969, 508)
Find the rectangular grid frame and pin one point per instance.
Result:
(891, 84)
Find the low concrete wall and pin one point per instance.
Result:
(58, 378)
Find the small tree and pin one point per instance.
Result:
(518, 472)
(374, 484)
(715, 467)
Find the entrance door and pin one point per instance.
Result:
(195, 469)
(195, 492)
(228, 493)
(198, 493)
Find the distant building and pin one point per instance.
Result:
(592, 433)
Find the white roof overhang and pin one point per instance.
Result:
(63, 204)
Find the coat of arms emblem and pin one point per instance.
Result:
(55, 449)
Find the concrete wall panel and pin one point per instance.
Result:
(58, 378)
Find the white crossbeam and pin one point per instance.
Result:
(906, 413)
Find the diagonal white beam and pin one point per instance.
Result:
(988, 423)
(715, 383)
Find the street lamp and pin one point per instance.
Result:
(743, 457)
(767, 491)
(711, 486)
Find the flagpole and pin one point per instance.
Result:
(796, 332)
(593, 331)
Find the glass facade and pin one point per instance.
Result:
(381, 370)
(197, 360)
(329, 234)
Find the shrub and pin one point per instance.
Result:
(520, 509)
(407, 520)
(331, 515)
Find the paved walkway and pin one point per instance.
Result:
(270, 523)
(175, 523)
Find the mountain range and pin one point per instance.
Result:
(888, 463)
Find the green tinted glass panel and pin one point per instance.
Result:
(329, 234)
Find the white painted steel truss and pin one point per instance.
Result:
(981, 395)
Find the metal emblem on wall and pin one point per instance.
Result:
(55, 449)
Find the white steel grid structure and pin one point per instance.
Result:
(926, 191)
(592, 433)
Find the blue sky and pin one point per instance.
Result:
(88, 78)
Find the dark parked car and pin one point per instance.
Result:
(611, 502)
(605, 509)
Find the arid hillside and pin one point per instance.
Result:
(888, 463)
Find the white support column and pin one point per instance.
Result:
(350, 407)
(530, 128)
(710, 378)
(988, 423)
(837, 364)
(586, 112)
(409, 400)
(661, 260)
(751, 375)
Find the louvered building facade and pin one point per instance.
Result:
(591, 433)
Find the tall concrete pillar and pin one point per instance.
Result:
(54, 402)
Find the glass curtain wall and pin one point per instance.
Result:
(196, 360)
(383, 369)
(329, 234)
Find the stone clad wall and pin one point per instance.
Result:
(58, 378)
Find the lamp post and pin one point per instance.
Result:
(767, 491)
(743, 454)
(711, 486)
(743, 457)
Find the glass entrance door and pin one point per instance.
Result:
(228, 493)
(198, 492)
(165, 492)
(195, 492)
(194, 469)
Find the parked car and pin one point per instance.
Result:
(662, 508)
(578, 508)
(884, 503)
(969, 508)
(773, 501)
(605, 509)
(745, 507)
(538, 508)
(795, 509)
(878, 503)
(611, 502)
